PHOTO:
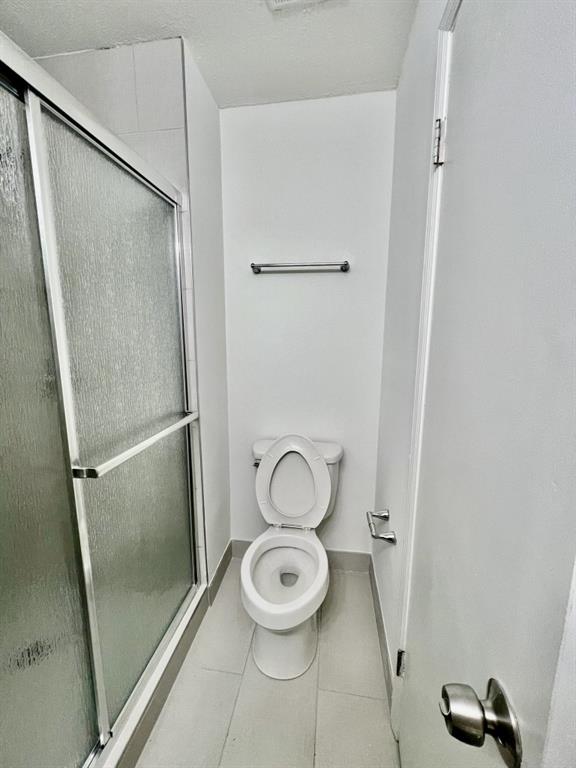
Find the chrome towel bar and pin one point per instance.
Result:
(303, 266)
(390, 537)
(91, 473)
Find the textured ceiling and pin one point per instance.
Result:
(247, 54)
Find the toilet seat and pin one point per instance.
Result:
(306, 449)
(272, 613)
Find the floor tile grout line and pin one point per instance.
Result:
(224, 742)
(357, 695)
(222, 671)
(249, 648)
(317, 692)
(242, 678)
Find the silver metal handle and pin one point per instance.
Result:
(470, 719)
(390, 536)
(90, 473)
(308, 266)
(384, 514)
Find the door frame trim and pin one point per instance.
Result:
(441, 95)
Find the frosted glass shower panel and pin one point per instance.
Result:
(120, 289)
(138, 526)
(47, 714)
(116, 249)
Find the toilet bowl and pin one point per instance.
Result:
(284, 573)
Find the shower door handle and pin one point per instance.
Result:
(91, 473)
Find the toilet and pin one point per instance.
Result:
(284, 573)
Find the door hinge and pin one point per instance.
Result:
(438, 154)
(400, 663)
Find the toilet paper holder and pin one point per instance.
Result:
(389, 536)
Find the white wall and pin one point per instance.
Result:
(203, 122)
(137, 92)
(414, 115)
(154, 98)
(307, 180)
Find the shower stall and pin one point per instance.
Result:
(101, 563)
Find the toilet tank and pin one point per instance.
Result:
(332, 453)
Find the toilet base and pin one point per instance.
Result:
(288, 653)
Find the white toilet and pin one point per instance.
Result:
(284, 574)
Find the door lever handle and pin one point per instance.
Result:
(390, 536)
(469, 719)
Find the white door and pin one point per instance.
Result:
(496, 518)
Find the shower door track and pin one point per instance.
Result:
(42, 92)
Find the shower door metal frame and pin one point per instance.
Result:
(42, 92)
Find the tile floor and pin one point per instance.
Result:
(224, 713)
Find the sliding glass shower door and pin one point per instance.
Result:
(96, 529)
(120, 296)
(47, 709)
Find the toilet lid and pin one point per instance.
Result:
(280, 499)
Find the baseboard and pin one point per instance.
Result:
(342, 560)
(221, 569)
(339, 560)
(239, 547)
(144, 728)
(384, 650)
